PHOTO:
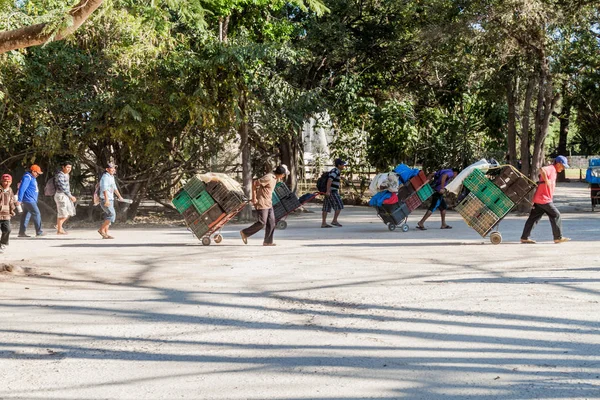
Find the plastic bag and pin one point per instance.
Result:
(456, 183)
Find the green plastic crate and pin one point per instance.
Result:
(182, 201)
(203, 202)
(425, 192)
(501, 206)
(476, 180)
(194, 187)
(275, 198)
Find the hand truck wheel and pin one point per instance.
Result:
(218, 238)
(281, 225)
(391, 227)
(206, 241)
(495, 238)
(405, 228)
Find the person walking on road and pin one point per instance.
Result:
(332, 200)
(440, 180)
(543, 202)
(63, 198)
(28, 198)
(262, 192)
(7, 209)
(107, 190)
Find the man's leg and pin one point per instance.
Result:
(336, 214)
(24, 218)
(534, 217)
(5, 232)
(326, 209)
(269, 227)
(258, 225)
(555, 220)
(338, 206)
(422, 221)
(37, 219)
(443, 216)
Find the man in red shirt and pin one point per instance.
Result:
(542, 202)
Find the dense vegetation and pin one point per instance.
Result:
(165, 87)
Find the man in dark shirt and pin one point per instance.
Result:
(333, 201)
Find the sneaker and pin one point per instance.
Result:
(244, 237)
(562, 240)
(3, 246)
(528, 241)
(23, 235)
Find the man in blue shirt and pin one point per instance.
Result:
(107, 190)
(28, 197)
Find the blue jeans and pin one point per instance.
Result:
(31, 210)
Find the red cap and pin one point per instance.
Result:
(36, 168)
(7, 176)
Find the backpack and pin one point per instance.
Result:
(322, 182)
(96, 196)
(50, 188)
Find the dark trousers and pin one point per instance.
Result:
(5, 227)
(266, 219)
(536, 214)
(31, 210)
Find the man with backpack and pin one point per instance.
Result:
(440, 179)
(63, 198)
(332, 200)
(28, 198)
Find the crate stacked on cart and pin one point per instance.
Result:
(490, 198)
(207, 206)
(593, 177)
(410, 195)
(284, 201)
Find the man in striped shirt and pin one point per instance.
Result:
(333, 201)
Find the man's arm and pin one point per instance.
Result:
(328, 190)
(23, 187)
(544, 176)
(443, 183)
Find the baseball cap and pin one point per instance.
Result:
(6, 176)
(111, 165)
(562, 160)
(36, 168)
(339, 161)
(287, 170)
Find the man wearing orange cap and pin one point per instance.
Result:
(7, 209)
(28, 197)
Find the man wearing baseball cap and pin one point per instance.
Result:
(28, 197)
(542, 202)
(332, 200)
(7, 209)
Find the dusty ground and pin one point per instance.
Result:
(350, 313)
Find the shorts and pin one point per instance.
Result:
(109, 212)
(437, 201)
(333, 202)
(64, 206)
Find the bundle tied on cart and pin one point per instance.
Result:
(207, 202)
(397, 193)
(487, 194)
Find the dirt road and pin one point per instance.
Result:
(346, 313)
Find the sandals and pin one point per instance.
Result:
(102, 234)
(446, 227)
(107, 237)
(421, 228)
(336, 224)
(326, 226)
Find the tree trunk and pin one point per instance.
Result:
(544, 113)
(246, 213)
(512, 91)
(525, 126)
(564, 118)
(289, 157)
(34, 35)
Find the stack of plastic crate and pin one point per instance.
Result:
(513, 184)
(413, 202)
(288, 201)
(489, 194)
(197, 207)
(228, 195)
